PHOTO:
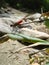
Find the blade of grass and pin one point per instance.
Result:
(24, 38)
(28, 39)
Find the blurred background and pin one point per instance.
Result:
(34, 5)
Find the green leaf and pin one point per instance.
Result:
(28, 39)
(47, 63)
(47, 23)
(15, 37)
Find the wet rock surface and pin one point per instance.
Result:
(8, 48)
(8, 58)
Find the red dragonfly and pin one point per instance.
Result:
(20, 21)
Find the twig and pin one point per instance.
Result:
(18, 50)
(4, 38)
(29, 46)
